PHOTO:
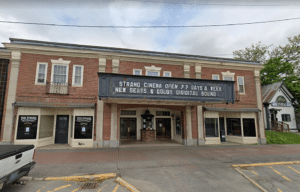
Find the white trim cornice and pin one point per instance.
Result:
(60, 61)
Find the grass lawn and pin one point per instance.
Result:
(282, 138)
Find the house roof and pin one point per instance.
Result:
(126, 51)
(268, 91)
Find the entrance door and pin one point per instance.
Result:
(128, 128)
(62, 127)
(163, 128)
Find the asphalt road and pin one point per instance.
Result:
(158, 169)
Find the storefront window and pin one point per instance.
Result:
(27, 127)
(46, 126)
(249, 127)
(211, 127)
(83, 127)
(234, 126)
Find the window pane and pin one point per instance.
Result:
(233, 126)
(60, 74)
(152, 73)
(215, 77)
(77, 80)
(42, 68)
(241, 88)
(137, 72)
(228, 78)
(249, 127)
(78, 71)
(241, 81)
(167, 74)
(211, 127)
(41, 78)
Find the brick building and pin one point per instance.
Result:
(90, 96)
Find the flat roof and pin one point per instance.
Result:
(125, 51)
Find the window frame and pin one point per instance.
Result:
(287, 115)
(73, 76)
(215, 76)
(238, 85)
(153, 69)
(164, 73)
(228, 74)
(60, 62)
(37, 73)
(140, 70)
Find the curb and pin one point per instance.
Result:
(127, 185)
(265, 164)
(82, 178)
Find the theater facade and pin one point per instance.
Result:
(91, 96)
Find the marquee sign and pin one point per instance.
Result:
(113, 85)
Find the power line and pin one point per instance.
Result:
(151, 26)
(218, 4)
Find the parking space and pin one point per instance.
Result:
(273, 177)
(108, 185)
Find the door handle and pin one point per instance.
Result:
(18, 156)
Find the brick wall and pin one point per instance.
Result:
(106, 121)
(248, 100)
(126, 67)
(27, 91)
(194, 122)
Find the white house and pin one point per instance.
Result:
(279, 106)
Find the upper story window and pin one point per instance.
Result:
(216, 77)
(41, 73)
(137, 71)
(241, 84)
(60, 70)
(167, 73)
(227, 76)
(60, 74)
(281, 99)
(152, 71)
(77, 75)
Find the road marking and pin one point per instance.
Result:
(62, 187)
(82, 177)
(293, 169)
(279, 190)
(39, 190)
(76, 189)
(254, 172)
(102, 188)
(127, 185)
(251, 180)
(116, 188)
(264, 164)
(280, 174)
(275, 170)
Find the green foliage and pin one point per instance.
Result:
(282, 138)
(276, 70)
(282, 63)
(256, 52)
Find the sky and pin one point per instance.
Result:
(206, 41)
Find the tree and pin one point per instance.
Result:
(282, 63)
(256, 52)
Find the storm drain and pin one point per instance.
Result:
(89, 186)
